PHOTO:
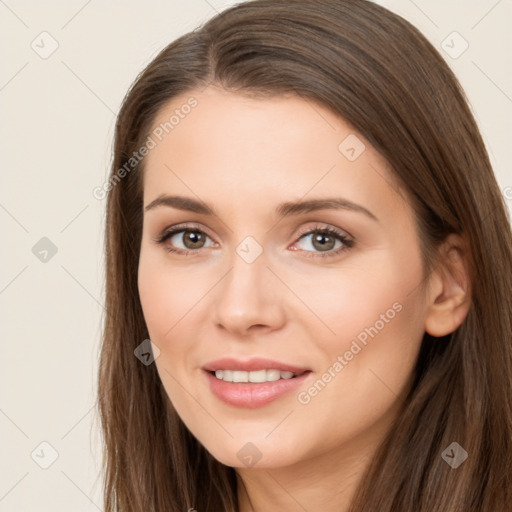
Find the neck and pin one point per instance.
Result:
(299, 489)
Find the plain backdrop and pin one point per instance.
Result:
(65, 68)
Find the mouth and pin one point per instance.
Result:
(255, 388)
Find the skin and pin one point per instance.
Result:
(245, 156)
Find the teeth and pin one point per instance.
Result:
(255, 376)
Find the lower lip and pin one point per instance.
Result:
(253, 394)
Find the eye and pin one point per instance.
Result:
(321, 241)
(190, 237)
(325, 242)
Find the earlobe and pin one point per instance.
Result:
(449, 295)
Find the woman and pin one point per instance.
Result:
(308, 269)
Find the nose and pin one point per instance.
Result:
(249, 298)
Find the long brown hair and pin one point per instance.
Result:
(380, 74)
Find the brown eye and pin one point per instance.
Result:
(193, 239)
(323, 242)
(183, 240)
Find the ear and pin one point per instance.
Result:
(449, 294)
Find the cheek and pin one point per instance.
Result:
(157, 299)
(370, 323)
(346, 303)
(166, 297)
(167, 294)
(375, 313)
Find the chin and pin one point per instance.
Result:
(249, 454)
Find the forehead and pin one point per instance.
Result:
(235, 146)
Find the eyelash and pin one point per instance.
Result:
(347, 242)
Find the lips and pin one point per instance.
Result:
(252, 395)
(254, 364)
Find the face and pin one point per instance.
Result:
(291, 244)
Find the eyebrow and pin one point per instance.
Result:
(282, 210)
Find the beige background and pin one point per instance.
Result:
(58, 114)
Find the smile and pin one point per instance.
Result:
(247, 394)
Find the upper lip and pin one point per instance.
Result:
(253, 364)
